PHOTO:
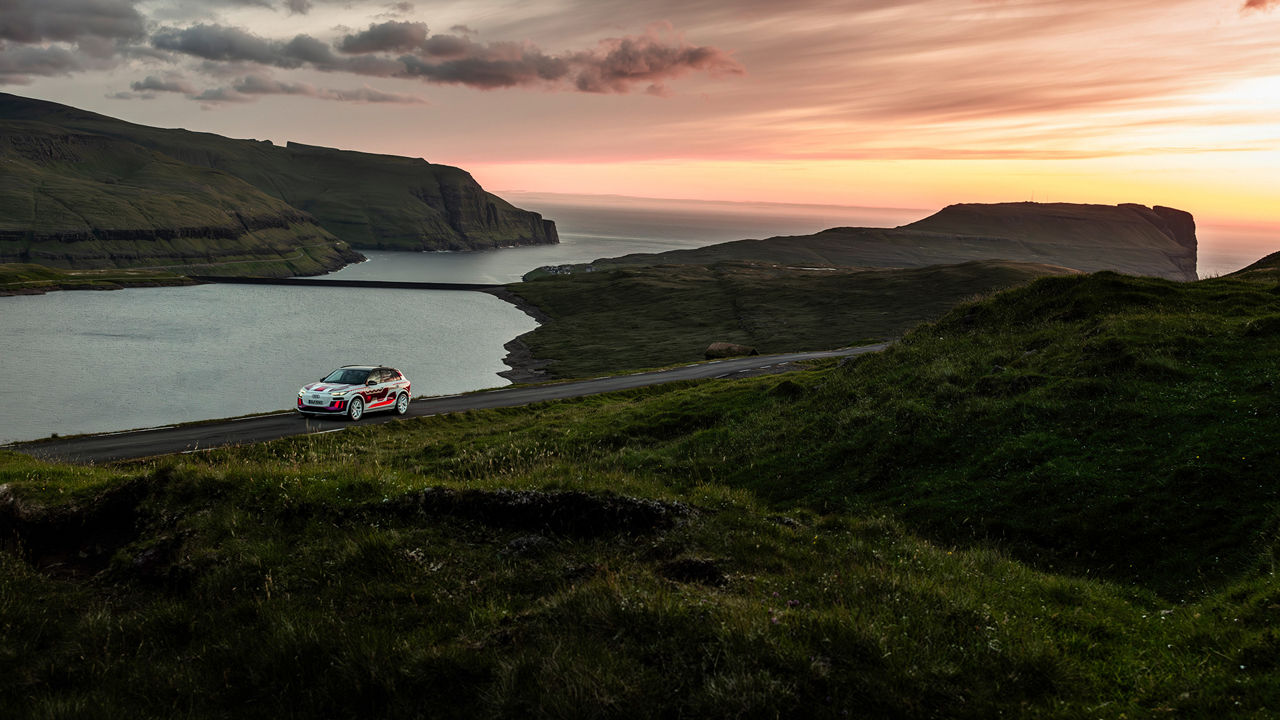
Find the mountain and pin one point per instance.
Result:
(1132, 239)
(71, 199)
(108, 182)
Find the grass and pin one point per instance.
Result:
(641, 317)
(23, 278)
(1054, 502)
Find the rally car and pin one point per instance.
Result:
(354, 390)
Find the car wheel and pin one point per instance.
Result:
(402, 404)
(355, 411)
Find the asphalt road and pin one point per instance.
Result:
(133, 444)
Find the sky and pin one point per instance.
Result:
(884, 103)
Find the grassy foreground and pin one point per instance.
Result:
(1056, 502)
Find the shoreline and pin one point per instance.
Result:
(525, 368)
(98, 286)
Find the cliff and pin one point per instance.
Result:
(367, 200)
(71, 199)
(1129, 238)
(1132, 239)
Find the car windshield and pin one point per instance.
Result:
(346, 376)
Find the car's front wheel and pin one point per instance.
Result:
(402, 404)
(355, 410)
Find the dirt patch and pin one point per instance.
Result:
(74, 541)
(572, 513)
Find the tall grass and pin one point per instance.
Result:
(1054, 502)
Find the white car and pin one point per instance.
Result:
(354, 390)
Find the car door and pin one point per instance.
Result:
(380, 393)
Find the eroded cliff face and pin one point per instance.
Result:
(366, 200)
(78, 200)
(400, 203)
(1130, 238)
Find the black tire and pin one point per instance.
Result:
(355, 410)
(402, 403)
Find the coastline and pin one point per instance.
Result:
(525, 368)
(43, 289)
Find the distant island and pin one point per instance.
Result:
(86, 191)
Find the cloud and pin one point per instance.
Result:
(18, 64)
(619, 63)
(298, 7)
(308, 49)
(392, 36)
(250, 87)
(170, 85)
(408, 50)
(229, 44)
(39, 21)
(498, 67)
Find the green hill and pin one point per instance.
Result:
(1055, 502)
(1268, 268)
(1131, 239)
(628, 318)
(366, 200)
(70, 199)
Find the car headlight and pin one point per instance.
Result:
(339, 394)
(302, 392)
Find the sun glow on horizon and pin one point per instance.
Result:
(1233, 190)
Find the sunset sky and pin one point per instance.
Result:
(906, 103)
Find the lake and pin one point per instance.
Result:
(102, 361)
(147, 357)
(82, 362)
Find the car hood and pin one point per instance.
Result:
(330, 387)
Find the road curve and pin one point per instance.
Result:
(132, 444)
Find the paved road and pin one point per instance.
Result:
(189, 438)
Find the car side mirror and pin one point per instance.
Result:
(371, 382)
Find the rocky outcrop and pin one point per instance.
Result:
(717, 350)
(367, 200)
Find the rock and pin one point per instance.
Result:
(726, 350)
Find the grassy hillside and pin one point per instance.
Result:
(369, 201)
(1125, 238)
(77, 200)
(30, 279)
(631, 318)
(1055, 502)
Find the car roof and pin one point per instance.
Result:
(366, 367)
